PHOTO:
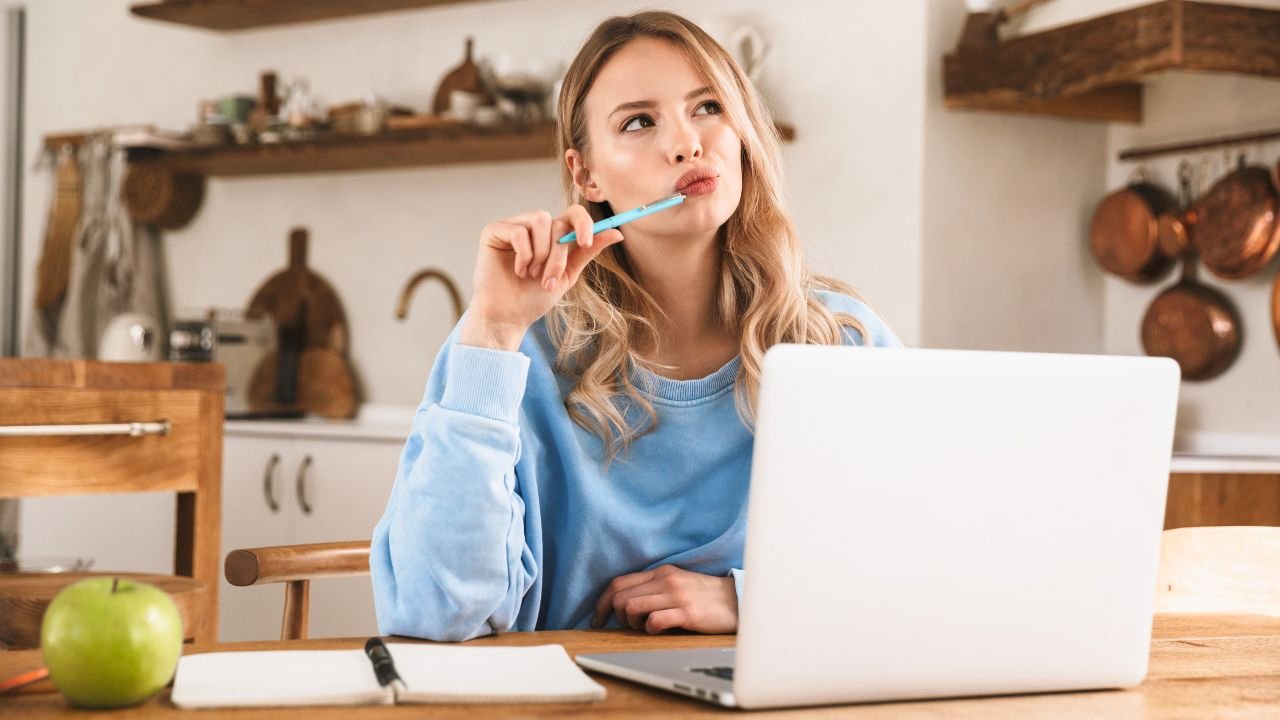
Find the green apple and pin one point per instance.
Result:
(110, 642)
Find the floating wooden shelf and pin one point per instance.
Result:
(396, 149)
(1093, 69)
(245, 14)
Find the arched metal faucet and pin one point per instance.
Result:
(406, 294)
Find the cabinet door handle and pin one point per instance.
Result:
(268, 483)
(132, 429)
(301, 485)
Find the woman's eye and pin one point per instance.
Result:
(640, 122)
(712, 108)
(637, 123)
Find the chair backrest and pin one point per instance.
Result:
(81, 427)
(296, 566)
(1219, 569)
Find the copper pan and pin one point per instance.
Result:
(1238, 232)
(1124, 234)
(1194, 324)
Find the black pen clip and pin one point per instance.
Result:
(383, 668)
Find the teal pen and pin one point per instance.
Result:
(628, 216)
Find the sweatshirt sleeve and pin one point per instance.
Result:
(449, 559)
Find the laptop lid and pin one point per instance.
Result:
(933, 523)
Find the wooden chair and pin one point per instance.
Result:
(1219, 569)
(296, 566)
(80, 427)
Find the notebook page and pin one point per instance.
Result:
(269, 678)
(454, 674)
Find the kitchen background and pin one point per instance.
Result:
(964, 229)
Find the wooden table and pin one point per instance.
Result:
(1202, 666)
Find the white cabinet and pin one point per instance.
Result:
(290, 489)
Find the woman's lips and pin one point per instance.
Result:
(701, 187)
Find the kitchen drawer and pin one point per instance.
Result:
(87, 464)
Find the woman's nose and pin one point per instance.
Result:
(686, 142)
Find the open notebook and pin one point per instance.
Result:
(430, 673)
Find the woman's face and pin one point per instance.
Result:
(654, 129)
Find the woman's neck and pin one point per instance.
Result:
(683, 275)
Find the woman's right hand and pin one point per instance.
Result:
(521, 272)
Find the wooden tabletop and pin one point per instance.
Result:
(1202, 666)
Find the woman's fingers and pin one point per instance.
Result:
(534, 239)
(511, 236)
(580, 257)
(523, 247)
(633, 611)
(580, 221)
(663, 620)
(558, 257)
(604, 605)
(538, 224)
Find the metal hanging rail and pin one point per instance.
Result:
(1205, 144)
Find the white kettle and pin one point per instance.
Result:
(131, 337)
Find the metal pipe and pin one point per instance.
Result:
(132, 429)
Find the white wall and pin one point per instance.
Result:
(1246, 398)
(854, 168)
(1004, 202)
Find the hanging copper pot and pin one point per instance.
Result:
(1239, 223)
(1194, 324)
(1124, 233)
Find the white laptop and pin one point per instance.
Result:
(941, 523)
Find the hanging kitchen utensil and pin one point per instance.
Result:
(1275, 308)
(465, 77)
(1195, 325)
(1173, 229)
(1124, 233)
(166, 199)
(281, 297)
(1275, 290)
(1239, 231)
(53, 272)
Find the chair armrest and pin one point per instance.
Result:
(287, 563)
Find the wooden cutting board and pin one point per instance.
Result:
(325, 387)
(284, 295)
(310, 319)
(465, 76)
(53, 272)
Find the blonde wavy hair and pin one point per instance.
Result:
(764, 288)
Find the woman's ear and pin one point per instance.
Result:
(582, 178)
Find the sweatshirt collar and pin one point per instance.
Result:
(687, 391)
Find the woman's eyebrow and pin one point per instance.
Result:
(641, 104)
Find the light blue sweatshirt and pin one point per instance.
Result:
(504, 517)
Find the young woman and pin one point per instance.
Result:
(582, 454)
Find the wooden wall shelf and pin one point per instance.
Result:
(1093, 69)
(395, 149)
(244, 14)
